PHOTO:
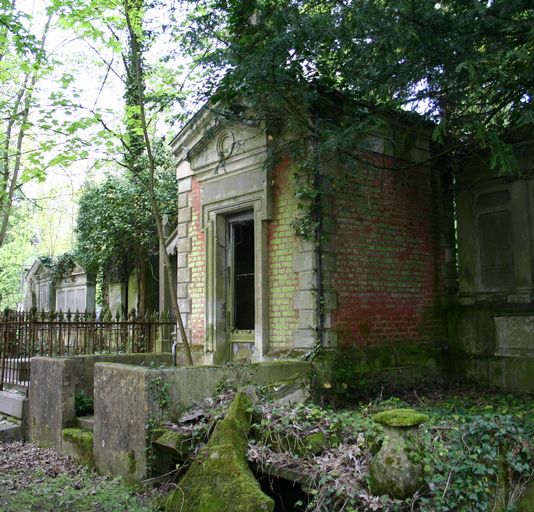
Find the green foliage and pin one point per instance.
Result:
(69, 492)
(476, 450)
(466, 66)
(14, 254)
(159, 391)
(467, 461)
(60, 266)
(115, 222)
(83, 404)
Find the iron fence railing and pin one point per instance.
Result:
(25, 334)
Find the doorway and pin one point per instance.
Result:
(240, 285)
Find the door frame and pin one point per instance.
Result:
(217, 343)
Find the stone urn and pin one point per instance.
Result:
(391, 471)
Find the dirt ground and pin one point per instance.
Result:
(40, 480)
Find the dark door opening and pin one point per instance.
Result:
(241, 245)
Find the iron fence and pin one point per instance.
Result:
(25, 334)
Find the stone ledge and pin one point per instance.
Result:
(9, 433)
(13, 404)
(304, 338)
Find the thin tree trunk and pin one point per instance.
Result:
(26, 91)
(139, 82)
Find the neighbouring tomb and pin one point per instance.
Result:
(491, 328)
(74, 290)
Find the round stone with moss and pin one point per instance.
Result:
(400, 418)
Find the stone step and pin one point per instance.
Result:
(9, 432)
(86, 422)
(13, 404)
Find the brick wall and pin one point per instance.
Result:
(197, 266)
(386, 241)
(282, 245)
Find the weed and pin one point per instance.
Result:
(83, 404)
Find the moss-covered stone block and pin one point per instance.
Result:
(220, 480)
(391, 472)
(400, 418)
(350, 374)
(78, 444)
(173, 441)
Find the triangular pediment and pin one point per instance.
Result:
(211, 141)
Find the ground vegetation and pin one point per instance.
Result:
(476, 448)
(33, 478)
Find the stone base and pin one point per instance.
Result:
(9, 433)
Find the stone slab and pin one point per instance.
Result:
(86, 422)
(13, 404)
(233, 186)
(514, 336)
(9, 433)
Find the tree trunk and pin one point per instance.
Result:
(134, 32)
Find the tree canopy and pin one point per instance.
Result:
(464, 65)
(115, 225)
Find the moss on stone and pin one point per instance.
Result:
(132, 463)
(311, 444)
(170, 438)
(400, 418)
(355, 373)
(391, 471)
(220, 480)
(82, 442)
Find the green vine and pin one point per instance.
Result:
(60, 266)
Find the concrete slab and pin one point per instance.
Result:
(13, 404)
(9, 432)
(86, 422)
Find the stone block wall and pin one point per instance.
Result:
(491, 326)
(389, 254)
(191, 260)
(54, 384)
(128, 405)
(491, 345)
